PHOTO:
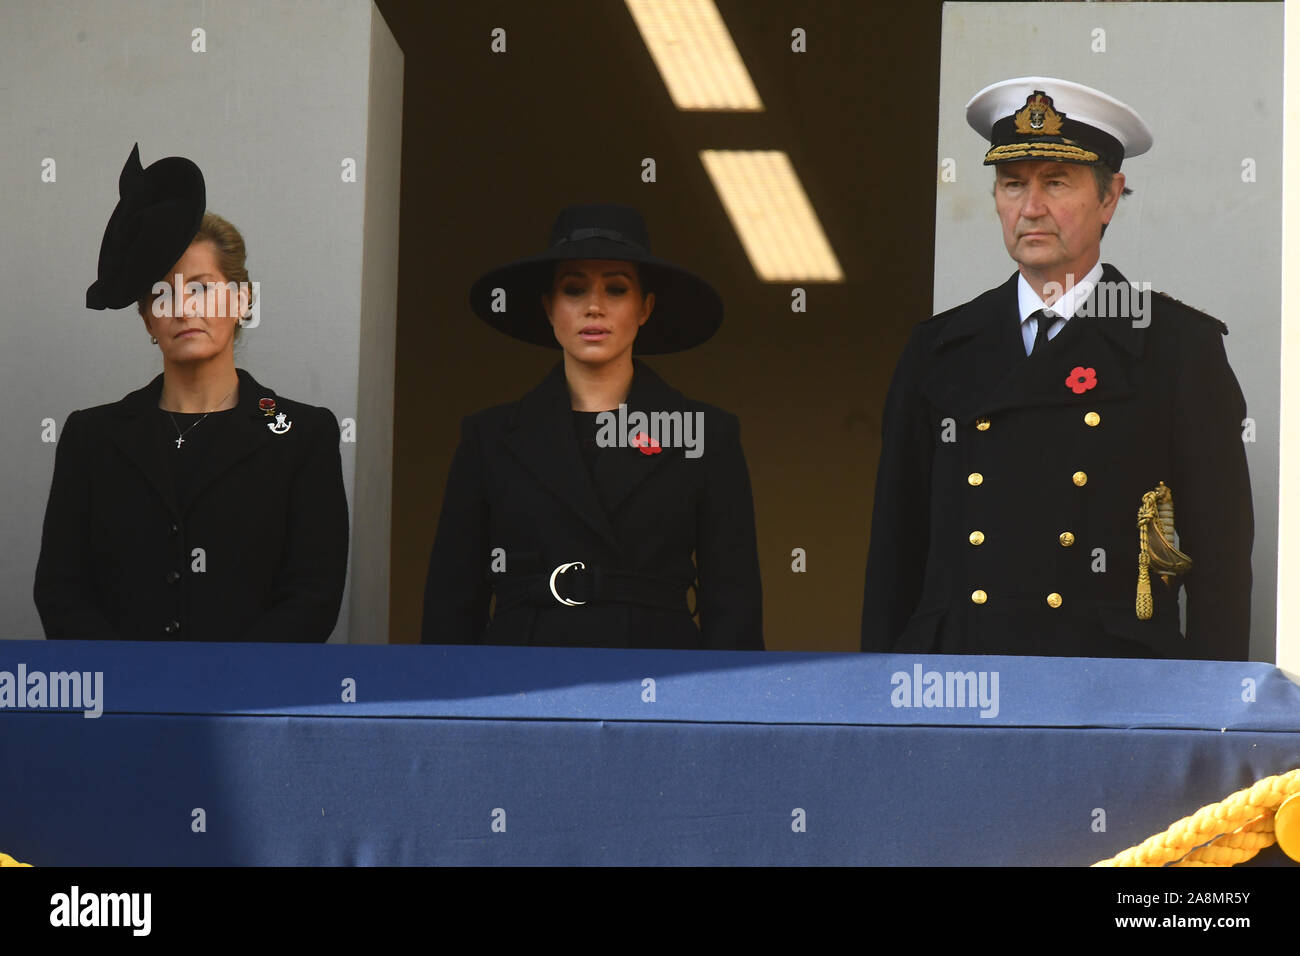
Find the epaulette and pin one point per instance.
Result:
(1184, 307)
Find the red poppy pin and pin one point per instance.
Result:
(645, 444)
(267, 405)
(1081, 379)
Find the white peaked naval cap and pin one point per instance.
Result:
(1040, 117)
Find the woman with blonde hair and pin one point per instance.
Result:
(204, 506)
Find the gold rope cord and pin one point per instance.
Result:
(1219, 834)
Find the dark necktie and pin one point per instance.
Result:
(1045, 321)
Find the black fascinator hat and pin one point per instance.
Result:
(158, 213)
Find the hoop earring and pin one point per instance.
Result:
(153, 340)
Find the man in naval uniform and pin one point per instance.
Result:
(1063, 453)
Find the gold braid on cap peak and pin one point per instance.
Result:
(1010, 151)
(1156, 546)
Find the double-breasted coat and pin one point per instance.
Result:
(1005, 516)
(648, 528)
(256, 550)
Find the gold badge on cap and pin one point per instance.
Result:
(1038, 118)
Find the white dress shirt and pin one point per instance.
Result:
(1064, 307)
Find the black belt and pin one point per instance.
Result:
(574, 584)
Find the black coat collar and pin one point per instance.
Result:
(541, 436)
(132, 429)
(979, 364)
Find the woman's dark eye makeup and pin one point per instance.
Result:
(615, 289)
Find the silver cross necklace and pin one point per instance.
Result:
(180, 435)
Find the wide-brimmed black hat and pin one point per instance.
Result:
(157, 216)
(687, 310)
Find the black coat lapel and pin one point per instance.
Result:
(133, 430)
(543, 440)
(982, 367)
(976, 350)
(1096, 345)
(1127, 331)
(620, 470)
(232, 445)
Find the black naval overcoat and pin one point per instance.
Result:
(1005, 515)
(267, 516)
(520, 502)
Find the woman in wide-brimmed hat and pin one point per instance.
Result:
(604, 508)
(202, 507)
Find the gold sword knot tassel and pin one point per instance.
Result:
(1156, 546)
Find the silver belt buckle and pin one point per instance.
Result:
(560, 569)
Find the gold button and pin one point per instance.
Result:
(1080, 478)
(1067, 539)
(1092, 419)
(977, 537)
(982, 424)
(975, 478)
(978, 597)
(1053, 600)
(1286, 826)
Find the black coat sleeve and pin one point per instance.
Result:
(308, 588)
(1213, 511)
(900, 514)
(457, 591)
(726, 550)
(64, 589)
